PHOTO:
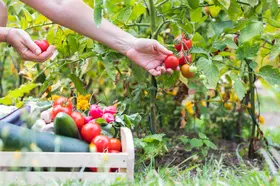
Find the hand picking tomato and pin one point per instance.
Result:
(90, 131)
(95, 111)
(101, 143)
(184, 59)
(108, 117)
(171, 61)
(110, 109)
(115, 144)
(44, 45)
(63, 101)
(58, 108)
(79, 119)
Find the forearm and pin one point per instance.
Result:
(78, 16)
(3, 14)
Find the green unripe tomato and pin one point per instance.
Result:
(202, 77)
(193, 69)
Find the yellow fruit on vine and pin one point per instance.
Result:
(228, 106)
(203, 103)
(261, 120)
(145, 92)
(249, 105)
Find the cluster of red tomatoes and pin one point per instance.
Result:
(89, 129)
(183, 59)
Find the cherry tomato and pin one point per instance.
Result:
(89, 131)
(63, 101)
(93, 169)
(185, 70)
(44, 45)
(187, 43)
(171, 61)
(108, 117)
(95, 111)
(115, 144)
(101, 142)
(79, 119)
(58, 108)
(184, 59)
(193, 69)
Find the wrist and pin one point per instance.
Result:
(3, 33)
(125, 44)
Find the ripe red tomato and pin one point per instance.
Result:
(44, 45)
(58, 108)
(115, 144)
(79, 119)
(184, 59)
(114, 151)
(171, 61)
(187, 43)
(63, 101)
(93, 169)
(89, 131)
(101, 142)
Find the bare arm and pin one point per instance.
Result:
(78, 16)
(3, 14)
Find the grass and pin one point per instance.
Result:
(213, 172)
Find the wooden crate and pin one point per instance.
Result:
(78, 161)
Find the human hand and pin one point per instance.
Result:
(150, 55)
(26, 48)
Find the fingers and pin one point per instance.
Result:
(29, 55)
(162, 49)
(31, 45)
(154, 72)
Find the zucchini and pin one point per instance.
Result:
(15, 138)
(64, 125)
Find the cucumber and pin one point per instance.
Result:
(15, 138)
(64, 125)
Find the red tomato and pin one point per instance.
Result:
(95, 111)
(187, 43)
(101, 142)
(79, 119)
(93, 169)
(171, 61)
(108, 117)
(65, 102)
(44, 45)
(114, 169)
(115, 144)
(58, 108)
(110, 109)
(182, 58)
(89, 131)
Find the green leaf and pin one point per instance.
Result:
(210, 70)
(185, 140)
(198, 50)
(234, 10)
(138, 9)
(253, 65)
(252, 30)
(27, 15)
(154, 137)
(210, 144)
(73, 43)
(98, 12)
(193, 3)
(240, 88)
(196, 16)
(100, 121)
(270, 74)
(78, 84)
(247, 51)
(275, 51)
(201, 135)
(169, 80)
(196, 142)
(225, 3)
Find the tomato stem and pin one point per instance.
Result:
(153, 92)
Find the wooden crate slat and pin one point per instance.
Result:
(58, 159)
(49, 177)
